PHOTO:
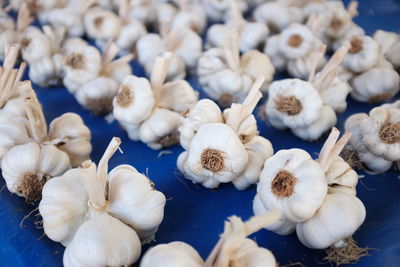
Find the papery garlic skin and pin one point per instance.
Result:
(73, 135)
(26, 167)
(363, 54)
(376, 85)
(335, 95)
(205, 111)
(298, 171)
(101, 24)
(174, 254)
(129, 35)
(178, 96)
(339, 216)
(230, 162)
(13, 131)
(47, 71)
(218, 11)
(35, 45)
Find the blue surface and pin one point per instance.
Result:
(194, 214)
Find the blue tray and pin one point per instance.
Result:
(194, 214)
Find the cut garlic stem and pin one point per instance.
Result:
(123, 10)
(237, 16)
(102, 169)
(24, 18)
(231, 51)
(332, 148)
(318, 58)
(34, 111)
(110, 53)
(159, 72)
(352, 8)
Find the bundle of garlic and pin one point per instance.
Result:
(101, 218)
(374, 79)
(278, 15)
(335, 22)
(226, 76)
(295, 49)
(389, 46)
(232, 249)
(251, 34)
(317, 198)
(28, 166)
(184, 45)
(308, 108)
(376, 137)
(94, 78)
(218, 10)
(104, 25)
(223, 147)
(151, 110)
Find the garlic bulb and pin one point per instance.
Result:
(251, 34)
(218, 10)
(111, 212)
(227, 77)
(190, 14)
(277, 15)
(8, 35)
(232, 249)
(151, 111)
(222, 149)
(104, 74)
(34, 45)
(362, 55)
(36, 158)
(100, 23)
(183, 43)
(375, 136)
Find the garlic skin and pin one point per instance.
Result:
(218, 11)
(74, 137)
(101, 23)
(363, 54)
(339, 216)
(191, 15)
(47, 71)
(335, 95)
(177, 254)
(298, 171)
(205, 111)
(35, 165)
(206, 144)
(113, 228)
(375, 85)
(129, 36)
(271, 49)
(34, 45)
(277, 15)
(13, 132)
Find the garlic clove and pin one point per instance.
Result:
(13, 131)
(259, 150)
(339, 216)
(379, 114)
(64, 206)
(101, 23)
(15, 106)
(253, 256)
(134, 201)
(53, 162)
(257, 64)
(102, 241)
(178, 96)
(340, 173)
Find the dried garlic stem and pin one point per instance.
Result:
(123, 11)
(239, 112)
(321, 52)
(231, 50)
(103, 164)
(235, 232)
(24, 18)
(34, 111)
(173, 38)
(159, 73)
(56, 36)
(110, 53)
(326, 76)
(313, 22)
(332, 148)
(237, 16)
(352, 8)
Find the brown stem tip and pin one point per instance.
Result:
(336, 23)
(289, 104)
(226, 100)
(295, 40)
(389, 133)
(124, 96)
(100, 106)
(212, 160)
(356, 45)
(380, 98)
(75, 61)
(31, 187)
(283, 184)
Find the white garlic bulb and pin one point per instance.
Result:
(47, 71)
(362, 55)
(112, 212)
(233, 248)
(218, 10)
(151, 111)
(219, 147)
(190, 14)
(102, 24)
(34, 45)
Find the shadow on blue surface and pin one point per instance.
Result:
(194, 214)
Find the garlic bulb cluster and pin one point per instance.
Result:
(252, 35)
(101, 218)
(374, 78)
(232, 249)
(218, 10)
(278, 15)
(223, 147)
(308, 108)
(151, 110)
(295, 49)
(185, 47)
(376, 137)
(389, 46)
(317, 198)
(40, 155)
(93, 78)
(226, 76)
(104, 25)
